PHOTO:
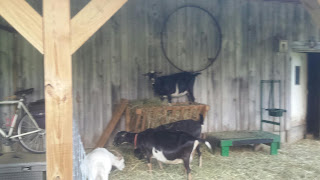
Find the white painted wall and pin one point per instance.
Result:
(299, 92)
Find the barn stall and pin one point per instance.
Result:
(261, 40)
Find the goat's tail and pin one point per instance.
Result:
(211, 146)
(201, 119)
(208, 145)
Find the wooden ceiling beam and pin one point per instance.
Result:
(91, 18)
(20, 15)
(313, 7)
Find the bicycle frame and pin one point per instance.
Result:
(20, 105)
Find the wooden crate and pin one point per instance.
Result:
(150, 117)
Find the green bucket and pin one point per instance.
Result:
(276, 112)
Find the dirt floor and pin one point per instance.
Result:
(300, 160)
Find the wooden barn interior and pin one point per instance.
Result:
(86, 57)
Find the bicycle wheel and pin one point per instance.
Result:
(35, 142)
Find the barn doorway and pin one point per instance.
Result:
(313, 108)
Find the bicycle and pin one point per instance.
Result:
(31, 127)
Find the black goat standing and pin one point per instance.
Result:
(170, 147)
(173, 85)
(192, 127)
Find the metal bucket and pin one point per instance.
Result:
(276, 112)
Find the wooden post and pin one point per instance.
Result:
(58, 88)
(51, 35)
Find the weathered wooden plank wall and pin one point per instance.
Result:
(110, 64)
(6, 74)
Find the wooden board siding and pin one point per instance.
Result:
(7, 75)
(109, 65)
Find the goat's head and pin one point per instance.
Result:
(119, 163)
(120, 138)
(152, 76)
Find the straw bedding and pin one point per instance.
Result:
(300, 160)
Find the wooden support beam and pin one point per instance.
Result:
(91, 18)
(313, 7)
(58, 88)
(20, 15)
(112, 124)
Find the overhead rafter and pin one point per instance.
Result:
(28, 22)
(313, 7)
(24, 19)
(91, 18)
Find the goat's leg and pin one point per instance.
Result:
(160, 165)
(186, 163)
(169, 99)
(200, 156)
(149, 163)
(190, 95)
(150, 167)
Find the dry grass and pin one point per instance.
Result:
(157, 114)
(295, 161)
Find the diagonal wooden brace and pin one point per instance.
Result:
(24, 19)
(91, 18)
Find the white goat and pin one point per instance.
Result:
(97, 164)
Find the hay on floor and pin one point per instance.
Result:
(300, 160)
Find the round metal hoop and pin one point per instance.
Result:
(214, 22)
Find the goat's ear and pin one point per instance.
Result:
(120, 158)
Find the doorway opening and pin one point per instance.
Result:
(313, 108)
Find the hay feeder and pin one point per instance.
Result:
(149, 115)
